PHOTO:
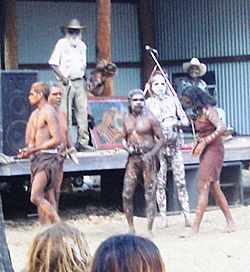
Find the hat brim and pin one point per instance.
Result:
(82, 28)
(202, 67)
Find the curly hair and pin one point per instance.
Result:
(199, 98)
(122, 253)
(131, 94)
(59, 248)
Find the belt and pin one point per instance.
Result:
(75, 79)
(50, 151)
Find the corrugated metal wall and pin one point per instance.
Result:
(205, 28)
(39, 29)
(208, 29)
(202, 28)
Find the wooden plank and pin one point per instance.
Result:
(238, 149)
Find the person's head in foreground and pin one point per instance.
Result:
(127, 253)
(61, 248)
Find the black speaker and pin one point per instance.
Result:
(14, 108)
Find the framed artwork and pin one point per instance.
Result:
(108, 115)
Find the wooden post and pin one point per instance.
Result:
(103, 38)
(1, 35)
(10, 36)
(146, 25)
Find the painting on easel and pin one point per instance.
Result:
(108, 115)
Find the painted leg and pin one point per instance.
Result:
(222, 201)
(44, 207)
(130, 181)
(149, 173)
(161, 196)
(202, 204)
(179, 178)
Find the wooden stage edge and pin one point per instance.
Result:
(236, 150)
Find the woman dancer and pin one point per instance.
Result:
(211, 151)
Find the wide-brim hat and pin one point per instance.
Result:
(73, 24)
(195, 62)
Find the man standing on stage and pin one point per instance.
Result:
(164, 107)
(42, 140)
(140, 130)
(68, 61)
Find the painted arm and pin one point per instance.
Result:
(213, 117)
(157, 131)
(183, 120)
(29, 132)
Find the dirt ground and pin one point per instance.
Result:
(211, 250)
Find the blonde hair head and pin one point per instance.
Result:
(60, 248)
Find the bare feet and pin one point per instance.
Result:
(188, 222)
(150, 234)
(188, 234)
(230, 227)
(131, 230)
(164, 221)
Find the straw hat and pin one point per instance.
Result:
(73, 24)
(195, 62)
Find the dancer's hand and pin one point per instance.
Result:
(148, 156)
(25, 152)
(198, 148)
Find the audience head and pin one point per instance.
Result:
(197, 99)
(124, 253)
(60, 247)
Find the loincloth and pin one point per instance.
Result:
(51, 163)
(137, 161)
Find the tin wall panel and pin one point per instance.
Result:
(125, 33)
(232, 82)
(208, 28)
(39, 29)
(126, 80)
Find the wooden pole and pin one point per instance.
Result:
(103, 38)
(10, 36)
(146, 25)
(1, 35)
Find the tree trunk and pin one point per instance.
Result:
(5, 261)
(10, 36)
(103, 38)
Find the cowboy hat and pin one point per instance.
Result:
(73, 24)
(195, 62)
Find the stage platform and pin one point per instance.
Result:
(94, 163)
(110, 165)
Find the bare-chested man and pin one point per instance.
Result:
(54, 99)
(42, 139)
(140, 129)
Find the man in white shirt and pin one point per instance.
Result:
(68, 61)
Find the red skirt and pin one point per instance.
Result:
(211, 162)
